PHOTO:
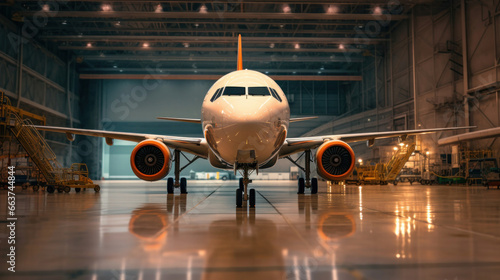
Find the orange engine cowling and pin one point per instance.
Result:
(150, 160)
(335, 160)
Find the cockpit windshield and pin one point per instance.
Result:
(228, 91)
(260, 91)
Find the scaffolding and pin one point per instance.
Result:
(383, 173)
(49, 172)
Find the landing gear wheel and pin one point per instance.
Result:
(50, 189)
(302, 185)
(97, 189)
(252, 198)
(184, 185)
(170, 185)
(239, 198)
(314, 185)
(78, 190)
(67, 189)
(242, 186)
(36, 188)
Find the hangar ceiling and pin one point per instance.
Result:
(296, 38)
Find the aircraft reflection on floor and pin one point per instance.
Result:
(245, 243)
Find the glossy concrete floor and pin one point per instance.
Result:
(133, 230)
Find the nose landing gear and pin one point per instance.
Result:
(242, 193)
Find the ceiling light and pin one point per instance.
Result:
(114, 66)
(46, 8)
(196, 25)
(297, 46)
(145, 45)
(159, 9)
(89, 45)
(294, 72)
(121, 70)
(203, 9)
(319, 72)
(117, 23)
(322, 68)
(64, 23)
(332, 9)
(287, 9)
(341, 47)
(377, 10)
(186, 45)
(395, 148)
(271, 45)
(106, 8)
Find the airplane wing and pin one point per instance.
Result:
(296, 145)
(196, 146)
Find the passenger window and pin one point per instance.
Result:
(275, 94)
(259, 91)
(234, 91)
(216, 95)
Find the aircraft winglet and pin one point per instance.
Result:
(240, 55)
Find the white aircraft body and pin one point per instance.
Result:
(245, 120)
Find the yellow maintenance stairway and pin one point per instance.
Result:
(56, 177)
(382, 173)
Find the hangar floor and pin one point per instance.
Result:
(133, 230)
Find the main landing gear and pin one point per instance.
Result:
(179, 182)
(308, 182)
(242, 193)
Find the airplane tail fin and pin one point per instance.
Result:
(240, 56)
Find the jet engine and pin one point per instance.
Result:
(334, 160)
(150, 160)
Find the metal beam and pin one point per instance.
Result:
(210, 39)
(214, 70)
(209, 49)
(215, 15)
(263, 59)
(210, 77)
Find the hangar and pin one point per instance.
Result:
(412, 206)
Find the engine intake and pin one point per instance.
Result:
(150, 160)
(335, 160)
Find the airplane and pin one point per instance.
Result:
(245, 118)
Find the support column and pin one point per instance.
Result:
(465, 62)
(414, 71)
(20, 71)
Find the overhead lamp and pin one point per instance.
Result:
(106, 8)
(121, 70)
(294, 72)
(271, 45)
(332, 9)
(401, 144)
(377, 10)
(145, 45)
(117, 23)
(395, 148)
(319, 72)
(322, 68)
(287, 9)
(297, 46)
(186, 45)
(64, 23)
(114, 66)
(46, 8)
(427, 153)
(341, 46)
(203, 9)
(89, 45)
(159, 9)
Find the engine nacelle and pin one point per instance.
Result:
(335, 160)
(150, 160)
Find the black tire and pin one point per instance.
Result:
(314, 185)
(170, 185)
(242, 186)
(239, 198)
(224, 178)
(302, 186)
(183, 185)
(50, 189)
(97, 189)
(252, 198)
(395, 183)
(78, 190)
(67, 189)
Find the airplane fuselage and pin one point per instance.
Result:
(245, 118)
